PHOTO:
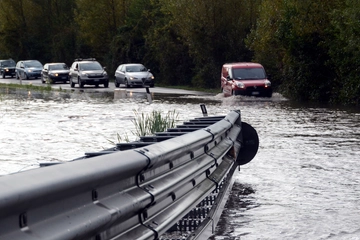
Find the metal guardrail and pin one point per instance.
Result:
(143, 192)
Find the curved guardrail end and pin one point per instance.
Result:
(250, 144)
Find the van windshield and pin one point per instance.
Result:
(248, 73)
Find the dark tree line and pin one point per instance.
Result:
(310, 48)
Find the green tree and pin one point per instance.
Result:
(214, 32)
(294, 34)
(344, 48)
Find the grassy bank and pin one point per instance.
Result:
(26, 86)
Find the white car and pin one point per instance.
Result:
(133, 74)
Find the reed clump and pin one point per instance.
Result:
(150, 123)
(156, 121)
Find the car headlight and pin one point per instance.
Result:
(267, 83)
(29, 70)
(132, 78)
(105, 74)
(53, 74)
(240, 85)
(152, 77)
(83, 74)
(6, 69)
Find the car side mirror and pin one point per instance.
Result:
(104, 68)
(148, 70)
(228, 78)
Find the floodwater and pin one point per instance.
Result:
(304, 183)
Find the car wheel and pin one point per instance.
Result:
(17, 76)
(126, 83)
(26, 76)
(151, 85)
(81, 83)
(72, 84)
(117, 84)
(106, 85)
(3, 75)
(42, 79)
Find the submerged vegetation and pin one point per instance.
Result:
(148, 124)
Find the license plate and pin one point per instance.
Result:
(255, 93)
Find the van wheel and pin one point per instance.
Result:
(72, 84)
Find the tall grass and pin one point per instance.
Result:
(148, 124)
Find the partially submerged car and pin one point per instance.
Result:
(133, 74)
(7, 68)
(55, 72)
(245, 78)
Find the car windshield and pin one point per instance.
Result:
(58, 67)
(90, 66)
(136, 68)
(32, 64)
(8, 63)
(248, 73)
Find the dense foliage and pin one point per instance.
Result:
(310, 48)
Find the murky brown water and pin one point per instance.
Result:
(303, 184)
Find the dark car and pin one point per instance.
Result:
(7, 68)
(55, 72)
(88, 72)
(133, 74)
(245, 78)
(27, 69)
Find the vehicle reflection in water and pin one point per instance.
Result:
(302, 184)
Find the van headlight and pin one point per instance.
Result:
(240, 85)
(267, 83)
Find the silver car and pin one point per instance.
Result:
(133, 74)
(88, 72)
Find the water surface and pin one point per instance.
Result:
(303, 184)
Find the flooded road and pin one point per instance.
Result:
(303, 184)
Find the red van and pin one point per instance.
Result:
(245, 78)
